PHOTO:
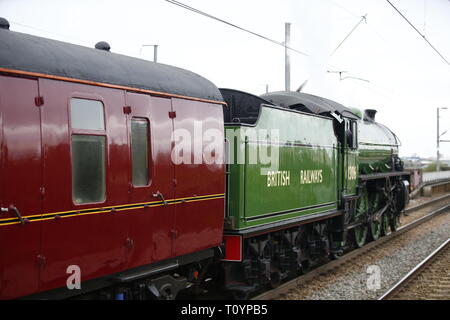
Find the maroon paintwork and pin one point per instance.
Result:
(197, 221)
(21, 178)
(35, 177)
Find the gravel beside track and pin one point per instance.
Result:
(393, 260)
(416, 214)
(429, 280)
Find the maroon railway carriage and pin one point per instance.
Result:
(86, 175)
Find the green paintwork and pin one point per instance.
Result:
(377, 146)
(305, 143)
(351, 169)
(260, 194)
(362, 207)
(350, 166)
(357, 112)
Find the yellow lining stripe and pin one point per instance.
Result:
(109, 209)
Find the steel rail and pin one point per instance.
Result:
(323, 269)
(426, 204)
(414, 272)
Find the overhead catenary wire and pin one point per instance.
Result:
(363, 18)
(198, 12)
(344, 9)
(64, 37)
(422, 35)
(59, 35)
(185, 6)
(182, 5)
(376, 88)
(372, 30)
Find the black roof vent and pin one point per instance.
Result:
(369, 115)
(102, 45)
(4, 24)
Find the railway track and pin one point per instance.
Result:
(334, 264)
(430, 279)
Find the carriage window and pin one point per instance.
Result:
(139, 151)
(88, 151)
(87, 114)
(88, 168)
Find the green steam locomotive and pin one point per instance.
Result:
(307, 178)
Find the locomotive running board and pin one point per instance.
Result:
(374, 176)
(280, 225)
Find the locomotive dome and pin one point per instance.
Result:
(46, 57)
(357, 112)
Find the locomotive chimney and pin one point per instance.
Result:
(4, 24)
(102, 45)
(369, 115)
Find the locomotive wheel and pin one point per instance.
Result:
(375, 226)
(303, 258)
(394, 222)
(375, 229)
(360, 234)
(384, 225)
(362, 208)
(275, 280)
(240, 295)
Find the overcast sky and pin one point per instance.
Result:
(407, 79)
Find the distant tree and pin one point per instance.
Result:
(432, 167)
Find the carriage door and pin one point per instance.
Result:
(85, 143)
(151, 178)
(20, 187)
(199, 178)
